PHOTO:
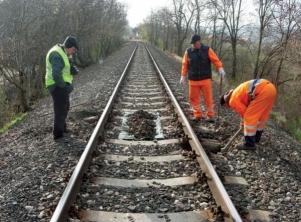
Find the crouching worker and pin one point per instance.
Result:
(253, 101)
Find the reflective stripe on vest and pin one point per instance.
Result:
(197, 107)
(250, 130)
(252, 87)
(67, 77)
(261, 126)
(209, 109)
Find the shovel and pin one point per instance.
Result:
(81, 104)
(220, 93)
(225, 149)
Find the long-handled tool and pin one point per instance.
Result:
(220, 93)
(81, 104)
(225, 149)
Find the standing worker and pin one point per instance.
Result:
(59, 83)
(197, 63)
(253, 101)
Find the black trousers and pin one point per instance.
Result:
(61, 105)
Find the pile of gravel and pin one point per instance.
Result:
(141, 125)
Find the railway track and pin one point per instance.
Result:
(166, 176)
(264, 185)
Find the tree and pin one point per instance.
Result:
(229, 12)
(28, 29)
(285, 19)
(19, 25)
(265, 9)
(166, 31)
(183, 13)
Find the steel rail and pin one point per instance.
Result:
(226, 203)
(70, 193)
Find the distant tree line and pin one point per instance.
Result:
(266, 47)
(277, 26)
(28, 29)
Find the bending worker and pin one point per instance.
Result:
(253, 101)
(197, 63)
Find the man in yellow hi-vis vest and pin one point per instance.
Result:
(59, 83)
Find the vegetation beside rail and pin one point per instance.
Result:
(261, 43)
(16, 119)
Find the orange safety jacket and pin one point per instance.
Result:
(253, 101)
(245, 93)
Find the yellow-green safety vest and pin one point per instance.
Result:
(67, 77)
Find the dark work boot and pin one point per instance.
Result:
(248, 143)
(244, 147)
(196, 118)
(61, 139)
(210, 120)
(68, 131)
(258, 136)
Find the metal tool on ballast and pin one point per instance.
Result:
(220, 93)
(225, 149)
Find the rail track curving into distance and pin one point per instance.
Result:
(168, 177)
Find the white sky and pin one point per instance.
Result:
(140, 9)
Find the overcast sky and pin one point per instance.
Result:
(139, 9)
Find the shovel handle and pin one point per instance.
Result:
(220, 93)
(69, 109)
(225, 149)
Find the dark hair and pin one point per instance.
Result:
(70, 41)
(222, 100)
(194, 38)
(225, 97)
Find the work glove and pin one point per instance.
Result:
(73, 70)
(221, 72)
(183, 80)
(241, 124)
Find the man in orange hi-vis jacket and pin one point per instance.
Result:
(197, 63)
(253, 101)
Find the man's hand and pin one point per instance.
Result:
(221, 72)
(183, 80)
(73, 70)
(241, 124)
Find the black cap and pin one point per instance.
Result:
(194, 39)
(71, 41)
(222, 100)
(226, 97)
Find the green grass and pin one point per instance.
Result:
(279, 118)
(12, 122)
(294, 127)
